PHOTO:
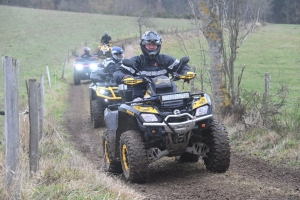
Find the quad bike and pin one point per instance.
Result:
(83, 68)
(165, 123)
(103, 92)
(104, 50)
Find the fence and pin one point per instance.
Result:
(35, 101)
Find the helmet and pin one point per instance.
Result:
(105, 33)
(117, 53)
(150, 37)
(86, 50)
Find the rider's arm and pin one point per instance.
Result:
(119, 74)
(172, 64)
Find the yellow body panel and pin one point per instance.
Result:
(146, 109)
(111, 90)
(202, 101)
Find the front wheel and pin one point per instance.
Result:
(108, 145)
(76, 79)
(217, 140)
(133, 157)
(97, 114)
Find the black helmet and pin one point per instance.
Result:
(150, 37)
(86, 50)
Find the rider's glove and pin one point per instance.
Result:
(176, 76)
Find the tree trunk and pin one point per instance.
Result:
(212, 31)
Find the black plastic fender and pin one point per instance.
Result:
(118, 122)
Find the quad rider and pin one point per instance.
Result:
(105, 38)
(86, 53)
(111, 64)
(150, 64)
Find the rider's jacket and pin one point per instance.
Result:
(161, 65)
(86, 56)
(105, 39)
(110, 65)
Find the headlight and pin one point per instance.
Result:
(79, 66)
(149, 117)
(102, 91)
(93, 66)
(201, 111)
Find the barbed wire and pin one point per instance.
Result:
(22, 113)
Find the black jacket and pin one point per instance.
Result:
(110, 65)
(86, 56)
(161, 65)
(105, 39)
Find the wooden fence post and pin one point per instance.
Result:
(63, 71)
(34, 126)
(11, 90)
(41, 107)
(48, 74)
(266, 96)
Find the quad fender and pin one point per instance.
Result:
(92, 94)
(120, 121)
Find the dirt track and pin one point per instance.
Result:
(246, 178)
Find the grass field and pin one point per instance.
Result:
(40, 38)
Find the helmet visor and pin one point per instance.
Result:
(156, 42)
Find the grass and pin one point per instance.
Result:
(40, 38)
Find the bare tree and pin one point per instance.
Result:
(239, 20)
(235, 19)
(143, 20)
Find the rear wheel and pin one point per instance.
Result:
(133, 157)
(108, 145)
(91, 110)
(97, 114)
(217, 140)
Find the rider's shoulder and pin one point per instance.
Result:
(167, 57)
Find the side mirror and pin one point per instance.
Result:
(184, 60)
(127, 62)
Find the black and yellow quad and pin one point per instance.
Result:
(166, 122)
(104, 50)
(103, 93)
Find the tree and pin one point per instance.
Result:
(207, 20)
(143, 20)
(238, 19)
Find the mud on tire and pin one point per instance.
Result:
(217, 140)
(97, 114)
(108, 145)
(133, 157)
